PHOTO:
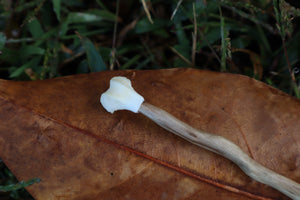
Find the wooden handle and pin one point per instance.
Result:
(223, 147)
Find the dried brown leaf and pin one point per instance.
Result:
(57, 130)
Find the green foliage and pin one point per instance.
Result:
(57, 8)
(20, 185)
(10, 186)
(46, 44)
(95, 60)
(259, 39)
(2, 40)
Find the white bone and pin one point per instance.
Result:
(121, 96)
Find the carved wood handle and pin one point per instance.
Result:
(223, 147)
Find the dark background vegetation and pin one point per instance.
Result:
(42, 39)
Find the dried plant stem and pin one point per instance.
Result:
(229, 5)
(294, 83)
(283, 27)
(223, 41)
(210, 47)
(176, 9)
(147, 11)
(223, 147)
(194, 37)
(181, 56)
(113, 51)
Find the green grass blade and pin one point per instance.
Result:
(131, 62)
(2, 40)
(35, 28)
(57, 8)
(95, 60)
(22, 184)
